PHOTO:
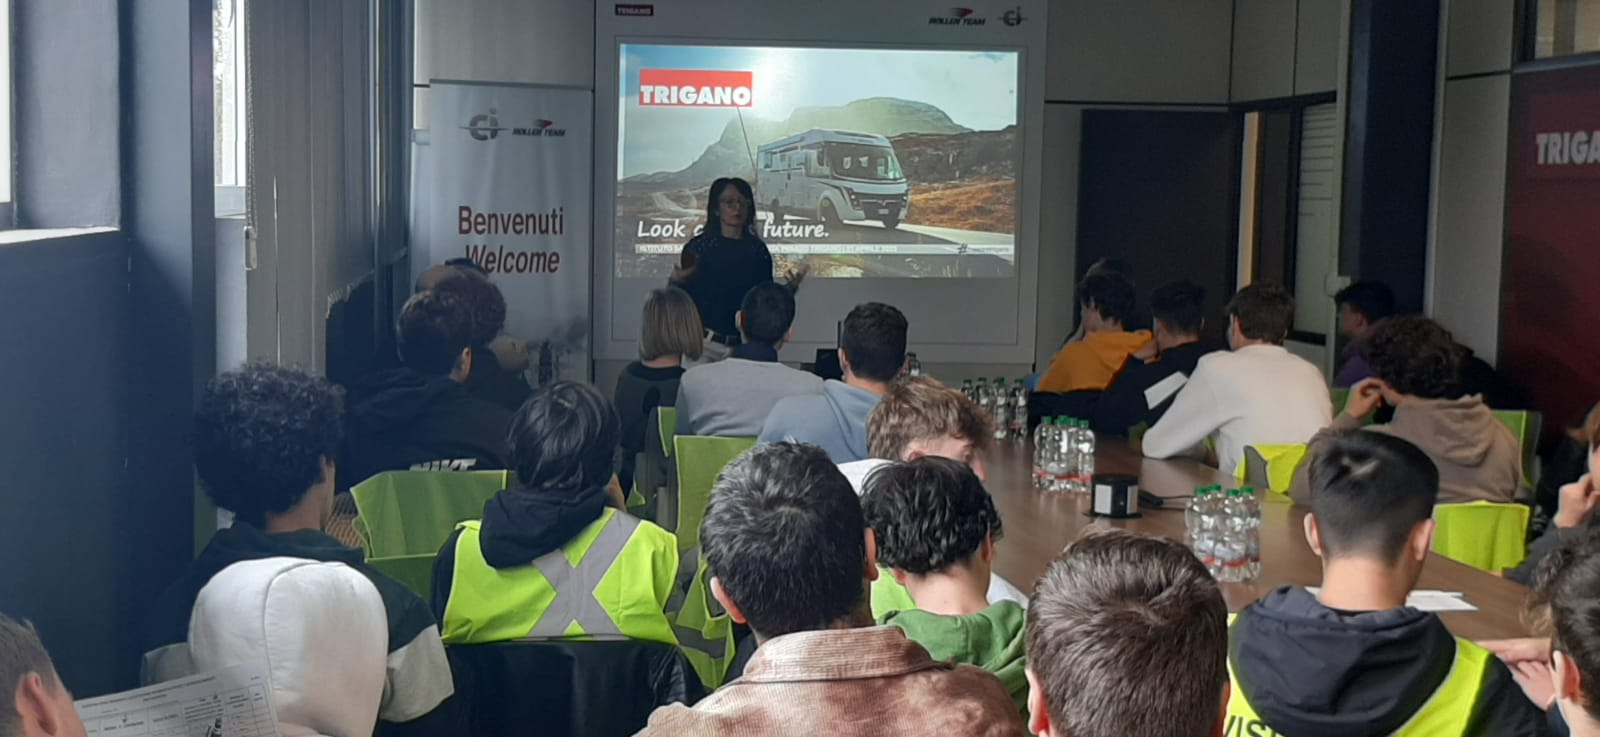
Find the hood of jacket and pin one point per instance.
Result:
(849, 407)
(520, 525)
(396, 396)
(1112, 348)
(1460, 431)
(1312, 671)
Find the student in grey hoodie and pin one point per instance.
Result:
(872, 350)
(1416, 365)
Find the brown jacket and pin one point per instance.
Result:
(862, 682)
(1478, 458)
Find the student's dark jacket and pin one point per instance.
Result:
(520, 525)
(641, 389)
(1311, 671)
(401, 419)
(409, 619)
(490, 381)
(1123, 405)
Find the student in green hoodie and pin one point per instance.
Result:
(936, 527)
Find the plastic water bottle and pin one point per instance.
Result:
(1041, 454)
(1207, 534)
(1061, 455)
(1191, 518)
(981, 395)
(1019, 410)
(1085, 449)
(967, 390)
(913, 366)
(1235, 537)
(1250, 514)
(1000, 408)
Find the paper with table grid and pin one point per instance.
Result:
(231, 703)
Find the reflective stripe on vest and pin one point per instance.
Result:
(1447, 710)
(554, 597)
(703, 628)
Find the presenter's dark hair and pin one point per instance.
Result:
(564, 438)
(874, 340)
(768, 310)
(1369, 490)
(713, 204)
(260, 434)
(784, 535)
(434, 328)
(928, 514)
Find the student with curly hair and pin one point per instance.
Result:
(936, 527)
(492, 377)
(1416, 370)
(265, 439)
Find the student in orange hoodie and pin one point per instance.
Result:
(1089, 364)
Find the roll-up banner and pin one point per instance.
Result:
(506, 181)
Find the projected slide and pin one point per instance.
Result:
(875, 163)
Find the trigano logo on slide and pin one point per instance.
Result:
(695, 88)
(958, 17)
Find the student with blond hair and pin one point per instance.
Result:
(670, 333)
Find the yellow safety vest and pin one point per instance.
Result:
(612, 581)
(1447, 711)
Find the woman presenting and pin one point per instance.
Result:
(725, 260)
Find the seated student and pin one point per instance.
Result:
(265, 438)
(1415, 364)
(1258, 393)
(872, 351)
(510, 352)
(1362, 306)
(921, 417)
(790, 555)
(503, 385)
(1108, 301)
(421, 416)
(1574, 515)
(1127, 635)
(732, 398)
(936, 527)
(670, 332)
(1353, 658)
(1143, 390)
(557, 535)
(40, 704)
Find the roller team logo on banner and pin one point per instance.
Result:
(510, 170)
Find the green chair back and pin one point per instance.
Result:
(1341, 398)
(1525, 426)
(401, 513)
(667, 427)
(699, 461)
(415, 571)
(1271, 467)
(1489, 536)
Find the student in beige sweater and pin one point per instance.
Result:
(1416, 366)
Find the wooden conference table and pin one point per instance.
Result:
(1039, 524)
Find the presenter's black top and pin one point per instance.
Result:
(728, 267)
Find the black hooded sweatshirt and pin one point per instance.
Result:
(401, 419)
(518, 526)
(1312, 671)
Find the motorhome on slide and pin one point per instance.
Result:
(833, 176)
